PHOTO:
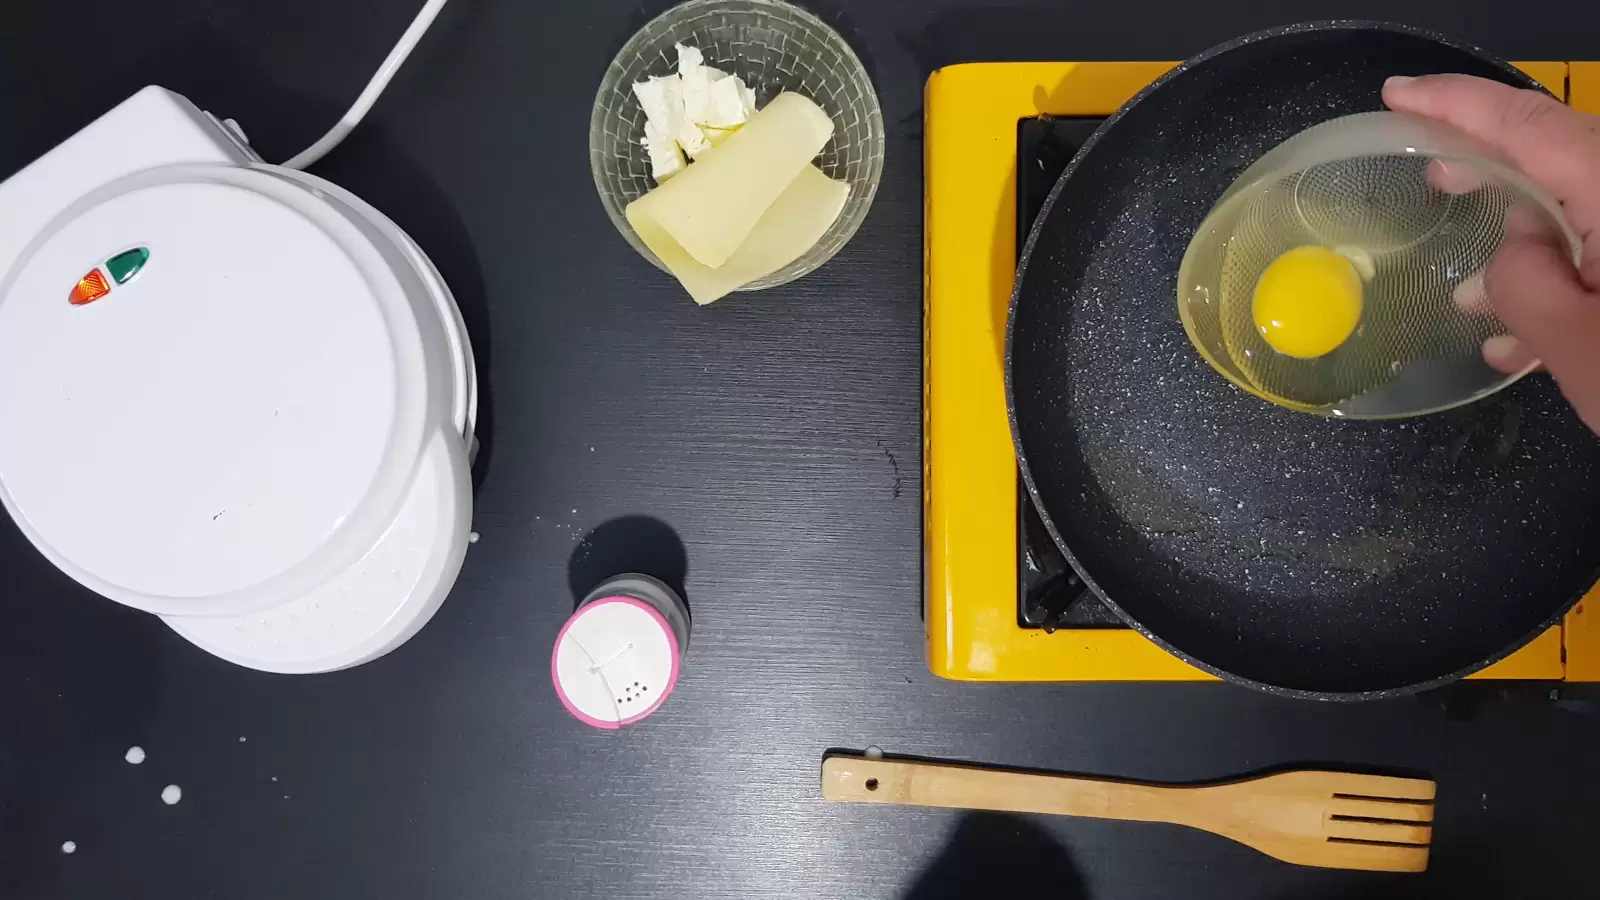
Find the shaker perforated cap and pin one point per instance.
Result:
(617, 659)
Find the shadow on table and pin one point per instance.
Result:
(998, 855)
(635, 543)
(989, 32)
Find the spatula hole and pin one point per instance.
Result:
(1360, 842)
(1378, 820)
(872, 784)
(1375, 798)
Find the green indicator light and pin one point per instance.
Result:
(127, 264)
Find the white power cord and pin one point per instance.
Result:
(369, 96)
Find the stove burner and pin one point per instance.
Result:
(1050, 594)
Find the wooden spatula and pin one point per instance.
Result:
(1331, 819)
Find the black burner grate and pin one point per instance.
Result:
(1049, 594)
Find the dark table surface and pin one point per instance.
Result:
(753, 430)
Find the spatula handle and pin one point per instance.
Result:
(858, 779)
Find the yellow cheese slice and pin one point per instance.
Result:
(793, 224)
(710, 208)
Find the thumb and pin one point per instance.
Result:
(1538, 295)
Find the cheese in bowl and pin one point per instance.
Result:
(690, 85)
(749, 203)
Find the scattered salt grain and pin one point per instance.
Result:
(69, 847)
(171, 794)
(472, 538)
(134, 755)
(242, 739)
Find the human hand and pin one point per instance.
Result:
(1551, 308)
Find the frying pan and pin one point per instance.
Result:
(1297, 554)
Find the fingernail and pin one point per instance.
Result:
(1471, 297)
(1506, 353)
(1398, 81)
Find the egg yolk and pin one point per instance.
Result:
(1307, 302)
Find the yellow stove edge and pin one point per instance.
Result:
(970, 469)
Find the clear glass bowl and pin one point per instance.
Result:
(1418, 210)
(774, 47)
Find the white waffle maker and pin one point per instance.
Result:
(231, 394)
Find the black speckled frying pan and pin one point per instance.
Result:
(1298, 554)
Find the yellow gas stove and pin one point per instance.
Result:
(981, 623)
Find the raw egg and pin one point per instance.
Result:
(1308, 302)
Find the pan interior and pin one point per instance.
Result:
(1293, 551)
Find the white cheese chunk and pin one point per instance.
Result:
(657, 97)
(661, 98)
(711, 97)
(697, 94)
(666, 159)
(694, 111)
(724, 105)
(693, 141)
(689, 58)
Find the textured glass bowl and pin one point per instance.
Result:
(774, 47)
(1424, 208)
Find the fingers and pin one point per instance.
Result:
(1508, 354)
(1556, 319)
(1522, 225)
(1555, 145)
(1471, 297)
(1454, 177)
(1551, 308)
